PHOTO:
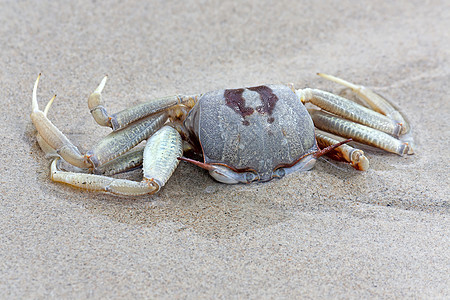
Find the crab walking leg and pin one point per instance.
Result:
(349, 110)
(102, 183)
(53, 137)
(377, 102)
(381, 105)
(118, 142)
(123, 118)
(54, 142)
(344, 152)
(161, 155)
(126, 162)
(49, 151)
(160, 161)
(358, 132)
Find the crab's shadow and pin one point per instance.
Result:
(191, 200)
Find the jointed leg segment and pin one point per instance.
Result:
(375, 101)
(350, 110)
(132, 114)
(358, 132)
(53, 137)
(159, 158)
(110, 155)
(384, 127)
(344, 152)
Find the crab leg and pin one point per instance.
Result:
(381, 105)
(126, 162)
(53, 141)
(101, 183)
(123, 118)
(344, 152)
(118, 142)
(49, 151)
(160, 160)
(358, 132)
(377, 102)
(350, 110)
(52, 136)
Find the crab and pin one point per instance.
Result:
(244, 135)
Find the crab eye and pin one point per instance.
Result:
(249, 176)
(279, 173)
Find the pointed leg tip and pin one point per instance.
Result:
(323, 75)
(37, 80)
(38, 77)
(101, 86)
(405, 148)
(34, 103)
(49, 104)
(410, 150)
(359, 161)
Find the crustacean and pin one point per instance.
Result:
(244, 135)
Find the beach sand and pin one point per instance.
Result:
(331, 232)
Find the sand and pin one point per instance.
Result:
(332, 232)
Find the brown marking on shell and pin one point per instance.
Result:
(234, 100)
(268, 99)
